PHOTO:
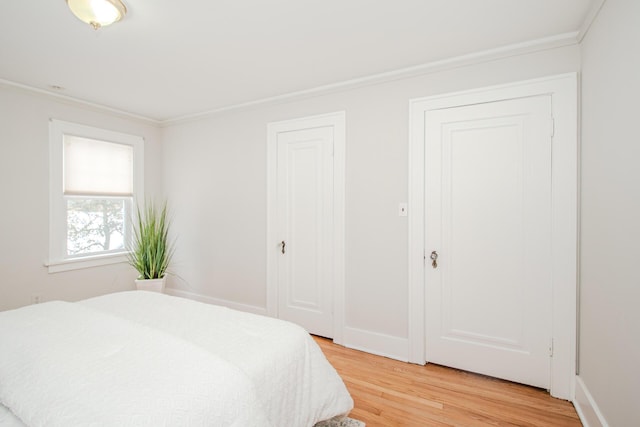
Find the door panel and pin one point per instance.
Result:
(488, 207)
(305, 197)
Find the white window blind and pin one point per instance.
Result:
(97, 168)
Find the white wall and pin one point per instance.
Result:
(24, 185)
(215, 177)
(214, 171)
(610, 242)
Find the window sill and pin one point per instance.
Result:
(85, 262)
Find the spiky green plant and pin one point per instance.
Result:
(151, 250)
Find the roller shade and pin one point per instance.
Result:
(97, 168)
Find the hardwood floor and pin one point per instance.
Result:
(390, 393)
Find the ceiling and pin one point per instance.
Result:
(171, 59)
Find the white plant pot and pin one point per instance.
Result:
(153, 285)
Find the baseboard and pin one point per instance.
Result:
(216, 301)
(586, 407)
(376, 343)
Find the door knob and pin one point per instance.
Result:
(283, 245)
(434, 258)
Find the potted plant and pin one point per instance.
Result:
(151, 250)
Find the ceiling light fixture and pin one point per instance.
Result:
(98, 13)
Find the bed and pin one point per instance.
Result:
(146, 359)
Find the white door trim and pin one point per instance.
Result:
(337, 121)
(564, 206)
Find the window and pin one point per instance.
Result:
(95, 177)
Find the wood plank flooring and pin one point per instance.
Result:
(390, 393)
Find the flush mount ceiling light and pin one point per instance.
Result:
(98, 13)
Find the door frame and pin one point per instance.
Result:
(563, 126)
(337, 121)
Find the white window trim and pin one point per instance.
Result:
(57, 261)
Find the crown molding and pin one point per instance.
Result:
(502, 52)
(591, 16)
(560, 40)
(78, 102)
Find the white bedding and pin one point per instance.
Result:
(139, 358)
(7, 419)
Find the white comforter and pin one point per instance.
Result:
(144, 359)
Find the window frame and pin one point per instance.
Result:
(58, 258)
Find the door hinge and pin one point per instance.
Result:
(551, 348)
(553, 127)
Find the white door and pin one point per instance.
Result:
(305, 228)
(488, 220)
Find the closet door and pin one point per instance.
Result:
(488, 230)
(305, 226)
